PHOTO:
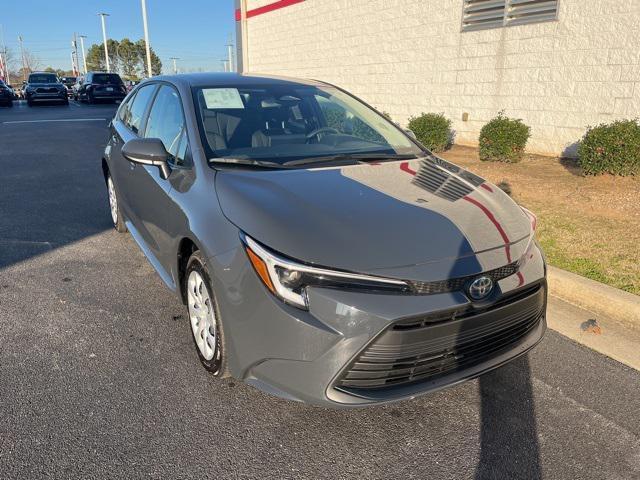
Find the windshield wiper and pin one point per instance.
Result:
(353, 157)
(246, 161)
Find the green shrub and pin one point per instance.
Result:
(503, 139)
(433, 130)
(612, 148)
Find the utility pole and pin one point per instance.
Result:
(84, 55)
(225, 65)
(3, 72)
(73, 63)
(3, 48)
(104, 38)
(76, 69)
(24, 61)
(146, 37)
(175, 67)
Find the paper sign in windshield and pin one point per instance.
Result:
(218, 98)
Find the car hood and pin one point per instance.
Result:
(424, 219)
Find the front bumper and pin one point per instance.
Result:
(47, 97)
(106, 95)
(355, 349)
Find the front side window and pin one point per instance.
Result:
(292, 123)
(138, 107)
(166, 122)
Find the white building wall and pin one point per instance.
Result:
(409, 56)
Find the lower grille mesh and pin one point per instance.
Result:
(404, 357)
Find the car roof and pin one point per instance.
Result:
(235, 79)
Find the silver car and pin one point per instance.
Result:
(323, 254)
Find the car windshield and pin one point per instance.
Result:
(43, 78)
(68, 80)
(294, 124)
(103, 78)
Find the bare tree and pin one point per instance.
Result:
(31, 61)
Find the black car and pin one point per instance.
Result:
(98, 86)
(69, 82)
(45, 87)
(6, 95)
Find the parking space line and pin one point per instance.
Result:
(59, 120)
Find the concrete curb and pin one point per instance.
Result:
(594, 296)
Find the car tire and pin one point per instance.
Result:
(114, 206)
(29, 103)
(204, 317)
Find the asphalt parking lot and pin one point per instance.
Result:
(99, 377)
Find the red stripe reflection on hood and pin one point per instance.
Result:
(404, 166)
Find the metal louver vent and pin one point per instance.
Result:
(483, 14)
(480, 14)
(520, 12)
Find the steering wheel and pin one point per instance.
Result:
(320, 130)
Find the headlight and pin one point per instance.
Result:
(288, 280)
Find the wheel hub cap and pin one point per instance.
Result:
(202, 316)
(113, 201)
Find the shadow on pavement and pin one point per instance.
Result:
(51, 188)
(508, 434)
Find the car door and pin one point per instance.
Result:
(159, 216)
(128, 124)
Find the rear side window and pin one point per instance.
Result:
(124, 112)
(166, 122)
(138, 107)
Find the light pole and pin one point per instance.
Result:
(175, 67)
(146, 37)
(84, 56)
(230, 54)
(104, 38)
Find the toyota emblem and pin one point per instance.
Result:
(480, 288)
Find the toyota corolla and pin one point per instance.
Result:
(323, 254)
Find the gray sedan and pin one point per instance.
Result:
(323, 254)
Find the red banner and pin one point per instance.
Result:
(267, 8)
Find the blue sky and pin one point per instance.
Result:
(194, 30)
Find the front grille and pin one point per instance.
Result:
(456, 284)
(400, 357)
(47, 90)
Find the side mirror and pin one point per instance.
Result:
(410, 133)
(147, 151)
